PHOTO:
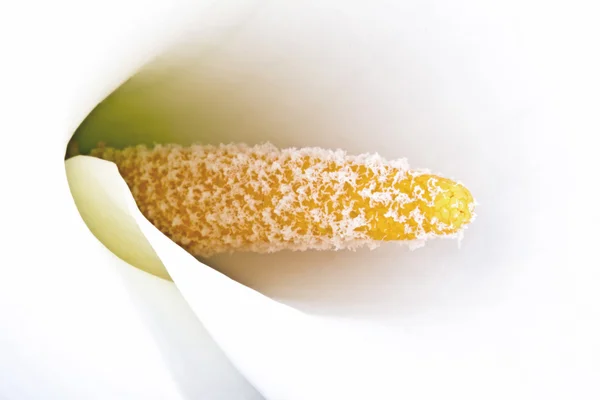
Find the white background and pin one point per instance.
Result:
(498, 96)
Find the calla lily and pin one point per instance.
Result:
(81, 321)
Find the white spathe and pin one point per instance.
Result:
(77, 322)
(466, 82)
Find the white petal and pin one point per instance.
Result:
(191, 358)
(77, 322)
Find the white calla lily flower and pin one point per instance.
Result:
(97, 303)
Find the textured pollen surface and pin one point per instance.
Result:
(214, 199)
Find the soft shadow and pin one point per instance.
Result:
(390, 282)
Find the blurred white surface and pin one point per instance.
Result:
(476, 90)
